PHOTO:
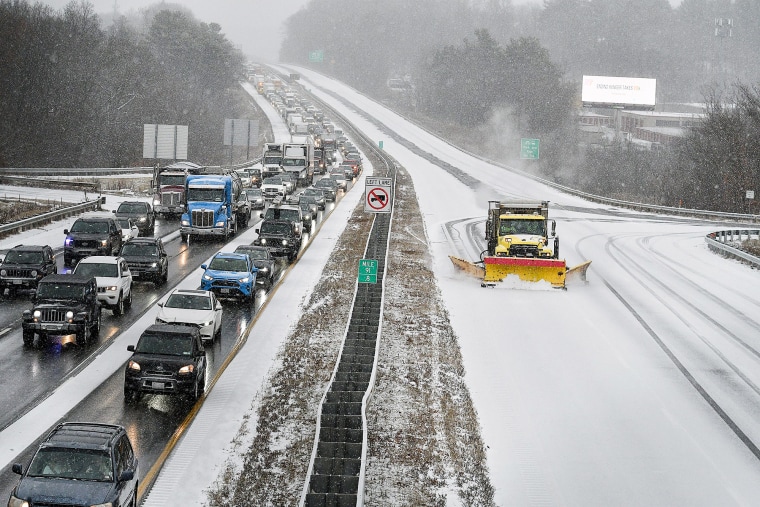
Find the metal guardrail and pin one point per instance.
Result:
(48, 183)
(45, 218)
(723, 242)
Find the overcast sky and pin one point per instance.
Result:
(254, 25)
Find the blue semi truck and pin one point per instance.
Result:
(216, 206)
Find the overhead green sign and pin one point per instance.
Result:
(318, 55)
(529, 148)
(368, 271)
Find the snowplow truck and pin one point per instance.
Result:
(521, 240)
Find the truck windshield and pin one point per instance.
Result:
(205, 194)
(293, 162)
(272, 160)
(171, 179)
(516, 226)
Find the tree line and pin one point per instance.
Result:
(520, 75)
(77, 95)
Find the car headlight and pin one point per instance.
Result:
(220, 223)
(133, 365)
(143, 219)
(207, 323)
(186, 223)
(33, 273)
(245, 279)
(264, 270)
(69, 316)
(208, 277)
(284, 242)
(68, 241)
(187, 369)
(156, 202)
(112, 288)
(5, 273)
(263, 241)
(17, 502)
(37, 314)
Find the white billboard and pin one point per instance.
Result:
(165, 141)
(625, 92)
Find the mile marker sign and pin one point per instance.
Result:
(377, 195)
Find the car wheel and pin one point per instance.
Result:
(12, 292)
(183, 236)
(119, 308)
(130, 395)
(217, 335)
(28, 337)
(83, 336)
(128, 302)
(95, 330)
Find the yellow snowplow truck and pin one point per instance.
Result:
(521, 240)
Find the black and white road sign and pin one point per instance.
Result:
(377, 195)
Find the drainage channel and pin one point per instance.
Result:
(336, 471)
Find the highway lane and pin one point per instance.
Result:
(152, 420)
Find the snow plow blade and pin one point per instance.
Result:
(578, 272)
(526, 268)
(468, 267)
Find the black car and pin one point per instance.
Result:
(309, 212)
(269, 268)
(256, 198)
(94, 235)
(24, 266)
(63, 305)
(168, 359)
(316, 194)
(280, 237)
(147, 259)
(141, 213)
(329, 187)
(79, 463)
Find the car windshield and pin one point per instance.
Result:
(167, 344)
(171, 179)
(92, 227)
(97, 269)
(68, 463)
(283, 214)
(312, 192)
(254, 193)
(255, 253)
(275, 228)
(228, 264)
(24, 257)
(131, 207)
(139, 250)
(274, 180)
(326, 183)
(124, 223)
(60, 290)
(188, 302)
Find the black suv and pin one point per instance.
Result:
(24, 266)
(63, 305)
(147, 259)
(80, 463)
(98, 235)
(141, 214)
(280, 237)
(168, 359)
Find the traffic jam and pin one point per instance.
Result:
(244, 227)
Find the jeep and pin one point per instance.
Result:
(24, 266)
(63, 305)
(280, 237)
(79, 463)
(96, 235)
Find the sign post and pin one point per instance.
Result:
(368, 271)
(529, 149)
(377, 195)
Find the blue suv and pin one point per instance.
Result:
(230, 275)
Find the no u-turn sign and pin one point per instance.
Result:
(377, 195)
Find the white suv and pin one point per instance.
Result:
(113, 278)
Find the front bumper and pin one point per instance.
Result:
(160, 384)
(19, 283)
(203, 231)
(225, 288)
(53, 328)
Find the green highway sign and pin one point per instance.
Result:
(529, 148)
(318, 55)
(368, 271)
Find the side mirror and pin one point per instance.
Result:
(204, 266)
(257, 230)
(160, 304)
(219, 305)
(66, 232)
(131, 348)
(127, 475)
(17, 469)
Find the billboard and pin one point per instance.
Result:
(624, 92)
(165, 141)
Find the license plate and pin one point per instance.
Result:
(49, 326)
(16, 282)
(158, 385)
(225, 291)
